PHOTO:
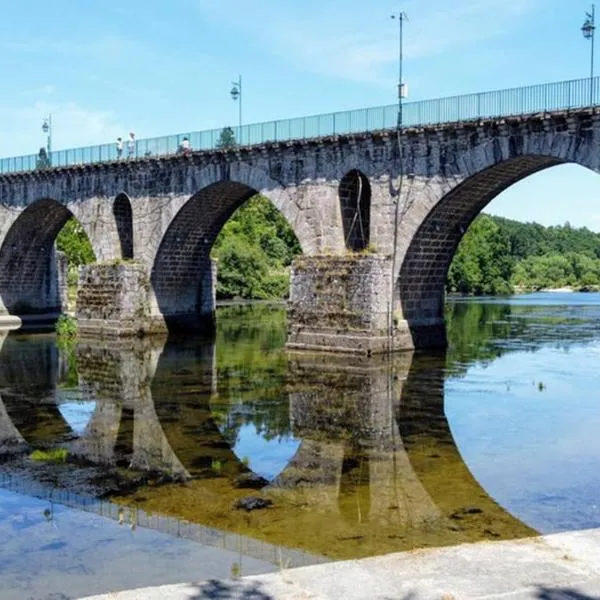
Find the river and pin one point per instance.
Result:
(159, 440)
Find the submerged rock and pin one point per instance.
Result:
(250, 481)
(467, 510)
(252, 503)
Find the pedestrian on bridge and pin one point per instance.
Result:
(131, 145)
(185, 147)
(119, 147)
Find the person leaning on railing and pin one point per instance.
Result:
(184, 147)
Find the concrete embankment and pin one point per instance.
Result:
(553, 567)
(9, 322)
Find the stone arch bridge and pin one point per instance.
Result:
(378, 217)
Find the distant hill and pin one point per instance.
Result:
(498, 256)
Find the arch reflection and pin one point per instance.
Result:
(376, 469)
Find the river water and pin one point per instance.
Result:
(495, 438)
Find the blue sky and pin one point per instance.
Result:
(103, 69)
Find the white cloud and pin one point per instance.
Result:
(353, 41)
(72, 126)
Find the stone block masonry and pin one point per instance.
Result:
(342, 304)
(114, 300)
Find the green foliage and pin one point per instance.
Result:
(254, 250)
(43, 160)
(226, 139)
(497, 255)
(482, 263)
(251, 367)
(555, 270)
(73, 241)
(54, 455)
(66, 328)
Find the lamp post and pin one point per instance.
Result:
(588, 29)
(236, 94)
(401, 16)
(47, 129)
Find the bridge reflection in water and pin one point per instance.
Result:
(376, 468)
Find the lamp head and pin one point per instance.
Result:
(588, 28)
(235, 92)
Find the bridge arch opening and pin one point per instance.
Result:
(355, 205)
(226, 242)
(124, 221)
(34, 277)
(420, 288)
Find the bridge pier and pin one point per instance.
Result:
(113, 299)
(343, 304)
(118, 299)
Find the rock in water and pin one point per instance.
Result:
(252, 503)
(250, 481)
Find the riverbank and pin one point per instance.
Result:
(565, 565)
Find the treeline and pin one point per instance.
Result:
(256, 246)
(500, 256)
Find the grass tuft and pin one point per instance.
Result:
(55, 455)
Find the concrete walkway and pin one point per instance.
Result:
(554, 567)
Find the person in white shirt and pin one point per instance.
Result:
(185, 146)
(131, 145)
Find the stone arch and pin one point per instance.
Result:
(124, 222)
(437, 462)
(29, 277)
(32, 369)
(311, 221)
(355, 205)
(183, 276)
(420, 287)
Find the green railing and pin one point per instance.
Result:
(563, 95)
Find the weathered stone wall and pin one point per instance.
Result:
(342, 303)
(114, 299)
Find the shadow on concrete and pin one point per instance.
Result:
(546, 593)
(230, 590)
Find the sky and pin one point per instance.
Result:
(105, 68)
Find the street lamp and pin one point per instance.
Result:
(236, 94)
(47, 129)
(401, 16)
(588, 29)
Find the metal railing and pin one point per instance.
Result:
(207, 536)
(563, 95)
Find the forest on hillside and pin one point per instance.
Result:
(256, 246)
(501, 256)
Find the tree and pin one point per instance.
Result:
(482, 263)
(226, 139)
(43, 160)
(254, 251)
(497, 254)
(73, 241)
